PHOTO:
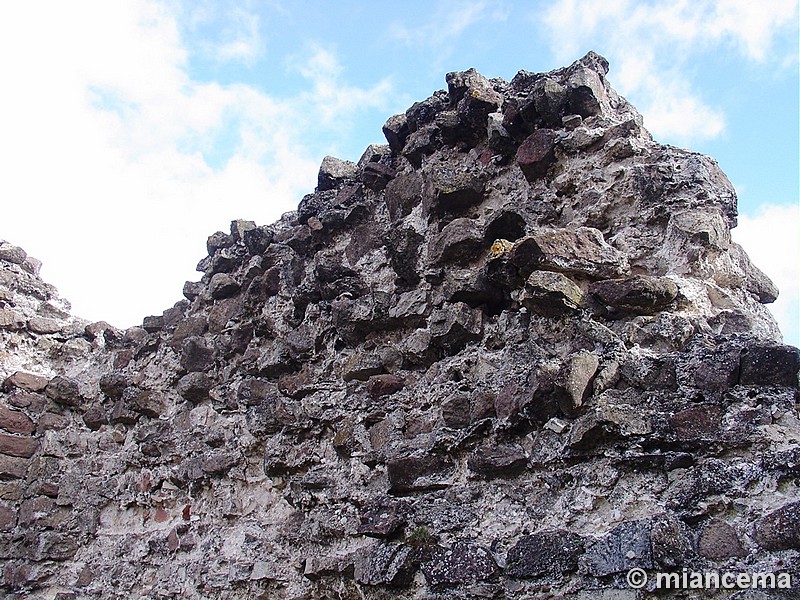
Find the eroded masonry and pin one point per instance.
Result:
(513, 353)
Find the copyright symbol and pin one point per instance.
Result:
(637, 578)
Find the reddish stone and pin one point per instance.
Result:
(161, 515)
(187, 512)
(696, 422)
(85, 577)
(37, 511)
(96, 329)
(8, 518)
(52, 421)
(33, 402)
(15, 421)
(536, 154)
(18, 446)
(43, 325)
(95, 417)
(122, 358)
(25, 381)
(173, 543)
(719, 540)
(384, 385)
(13, 468)
(49, 489)
(145, 483)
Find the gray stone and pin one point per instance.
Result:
(579, 374)
(12, 254)
(625, 547)
(460, 241)
(552, 293)
(334, 171)
(385, 564)
(581, 251)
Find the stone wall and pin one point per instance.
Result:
(513, 353)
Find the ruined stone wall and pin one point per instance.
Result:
(514, 353)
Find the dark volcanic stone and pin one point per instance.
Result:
(452, 191)
(396, 131)
(402, 194)
(456, 411)
(384, 385)
(780, 529)
(196, 354)
(376, 176)
(194, 386)
(462, 563)
(640, 294)
(623, 548)
(385, 564)
(498, 461)
(412, 473)
(770, 365)
(718, 540)
(95, 417)
(63, 390)
(536, 154)
(545, 553)
(460, 241)
(257, 240)
(223, 286)
(381, 518)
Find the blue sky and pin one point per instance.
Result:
(131, 130)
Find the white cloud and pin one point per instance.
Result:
(652, 45)
(448, 20)
(752, 25)
(772, 240)
(334, 100)
(105, 150)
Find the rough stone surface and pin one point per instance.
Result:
(640, 294)
(545, 553)
(780, 529)
(512, 354)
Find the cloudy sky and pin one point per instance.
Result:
(130, 130)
